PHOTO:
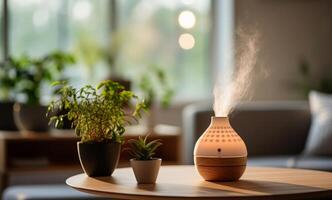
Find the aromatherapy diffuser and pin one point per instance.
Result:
(220, 154)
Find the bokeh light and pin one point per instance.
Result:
(186, 41)
(187, 19)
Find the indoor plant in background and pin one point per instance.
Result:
(145, 166)
(98, 116)
(155, 89)
(8, 83)
(33, 73)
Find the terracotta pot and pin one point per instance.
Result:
(31, 117)
(146, 171)
(6, 116)
(99, 159)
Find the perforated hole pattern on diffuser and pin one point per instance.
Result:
(221, 134)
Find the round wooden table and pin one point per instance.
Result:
(178, 182)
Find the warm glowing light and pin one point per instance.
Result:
(82, 10)
(187, 19)
(186, 41)
(187, 2)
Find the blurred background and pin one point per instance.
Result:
(118, 38)
(192, 41)
(174, 52)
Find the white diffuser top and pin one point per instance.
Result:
(220, 140)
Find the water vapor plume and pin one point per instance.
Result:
(225, 97)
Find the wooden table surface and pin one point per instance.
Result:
(178, 182)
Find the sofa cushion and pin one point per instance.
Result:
(272, 128)
(316, 163)
(45, 192)
(320, 135)
(272, 161)
(304, 162)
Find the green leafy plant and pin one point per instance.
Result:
(140, 149)
(9, 79)
(97, 114)
(154, 86)
(28, 74)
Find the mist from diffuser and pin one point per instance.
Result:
(238, 89)
(220, 154)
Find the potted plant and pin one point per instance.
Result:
(8, 84)
(145, 166)
(32, 75)
(99, 117)
(155, 89)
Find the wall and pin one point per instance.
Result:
(289, 30)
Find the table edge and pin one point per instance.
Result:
(302, 195)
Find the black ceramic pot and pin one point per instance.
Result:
(6, 116)
(99, 159)
(31, 117)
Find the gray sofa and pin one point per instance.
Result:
(275, 132)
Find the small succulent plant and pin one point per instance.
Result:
(140, 149)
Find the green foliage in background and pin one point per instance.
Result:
(322, 85)
(88, 50)
(25, 75)
(8, 81)
(91, 52)
(154, 86)
(97, 114)
(140, 149)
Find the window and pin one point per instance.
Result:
(171, 34)
(153, 34)
(38, 27)
(33, 28)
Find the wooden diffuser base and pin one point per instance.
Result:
(221, 169)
